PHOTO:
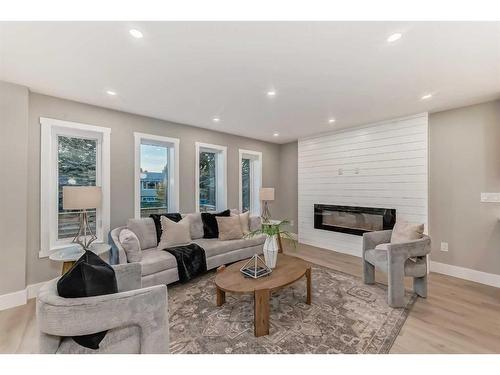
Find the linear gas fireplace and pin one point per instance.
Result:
(353, 219)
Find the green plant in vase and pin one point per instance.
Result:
(272, 229)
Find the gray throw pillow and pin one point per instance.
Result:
(404, 232)
(196, 225)
(174, 234)
(145, 231)
(131, 245)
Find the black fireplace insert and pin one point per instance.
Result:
(353, 219)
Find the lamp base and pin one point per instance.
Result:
(85, 235)
(265, 215)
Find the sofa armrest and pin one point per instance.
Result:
(255, 223)
(145, 308)
(128, 276)
(117, 255)
(372, 239)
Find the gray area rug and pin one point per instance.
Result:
(346, 316)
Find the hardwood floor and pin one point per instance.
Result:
(459, 316)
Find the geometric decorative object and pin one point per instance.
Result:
(255, 268)
(82, 198)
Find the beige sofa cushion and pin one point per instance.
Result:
(131, 245)
(145, 231)
(174, 234)
(404, 232)
(229, 227)
(154, 261)
(245, 222)
(196, 225)
(214, 246)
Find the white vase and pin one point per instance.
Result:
(271, 251)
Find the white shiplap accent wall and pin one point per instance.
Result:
(384, 165)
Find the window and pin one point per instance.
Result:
(157, 174)
(211, 175)
(71, 154)
(250, 165)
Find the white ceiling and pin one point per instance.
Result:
(190, 72)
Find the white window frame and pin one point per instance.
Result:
(50, 130)
(220, 173)
(255, 179)
(173, 169)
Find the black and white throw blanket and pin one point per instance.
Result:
(191, 261)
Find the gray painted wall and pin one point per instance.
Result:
(465, 161)
(123, 125)
(13, 189)
(286, 197)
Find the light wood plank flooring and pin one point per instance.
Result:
(459, 316)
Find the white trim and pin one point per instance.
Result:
(14, 299)
(32, 289)
(173, 172)
(221, 174)
(20, 297)
(466, 274)
(50, 128)
(255, 180)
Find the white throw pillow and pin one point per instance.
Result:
(174, 234)
(404, 232)
(229, 227)
(131, 245)
(244, 222)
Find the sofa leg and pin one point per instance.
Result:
(368, 272)
(396, 289)
(420, 286)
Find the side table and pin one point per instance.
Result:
(69, 255)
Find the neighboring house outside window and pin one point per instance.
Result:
(157, 174)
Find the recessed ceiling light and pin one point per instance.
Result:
(136, 33)
(111, 92)
(396, 36)
(331, 121)
(426, 96)
(276, 134)
(271, 93)
(216, 119)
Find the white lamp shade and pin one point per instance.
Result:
(81, 197)
(266, 194)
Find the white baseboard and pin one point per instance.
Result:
(32, 290)
(14, 299)
(466, 273)
(20, 297)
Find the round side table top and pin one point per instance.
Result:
(73, 252)
(288, 270)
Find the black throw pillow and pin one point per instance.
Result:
(174, 216)
(90, 276)
(210, 227)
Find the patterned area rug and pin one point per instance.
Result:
(346, 316)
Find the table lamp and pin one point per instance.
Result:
(82, 198)
(266, 195)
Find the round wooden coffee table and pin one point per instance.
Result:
(288, 270)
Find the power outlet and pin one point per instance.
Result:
(444, 246)
(291, 223)
(490, 197)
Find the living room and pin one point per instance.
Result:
(203, 188)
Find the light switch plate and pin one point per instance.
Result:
(490, 197)
(444, 246)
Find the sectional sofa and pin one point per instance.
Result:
(160, 267)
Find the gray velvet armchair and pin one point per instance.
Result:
(136, 318)
(397, 260)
